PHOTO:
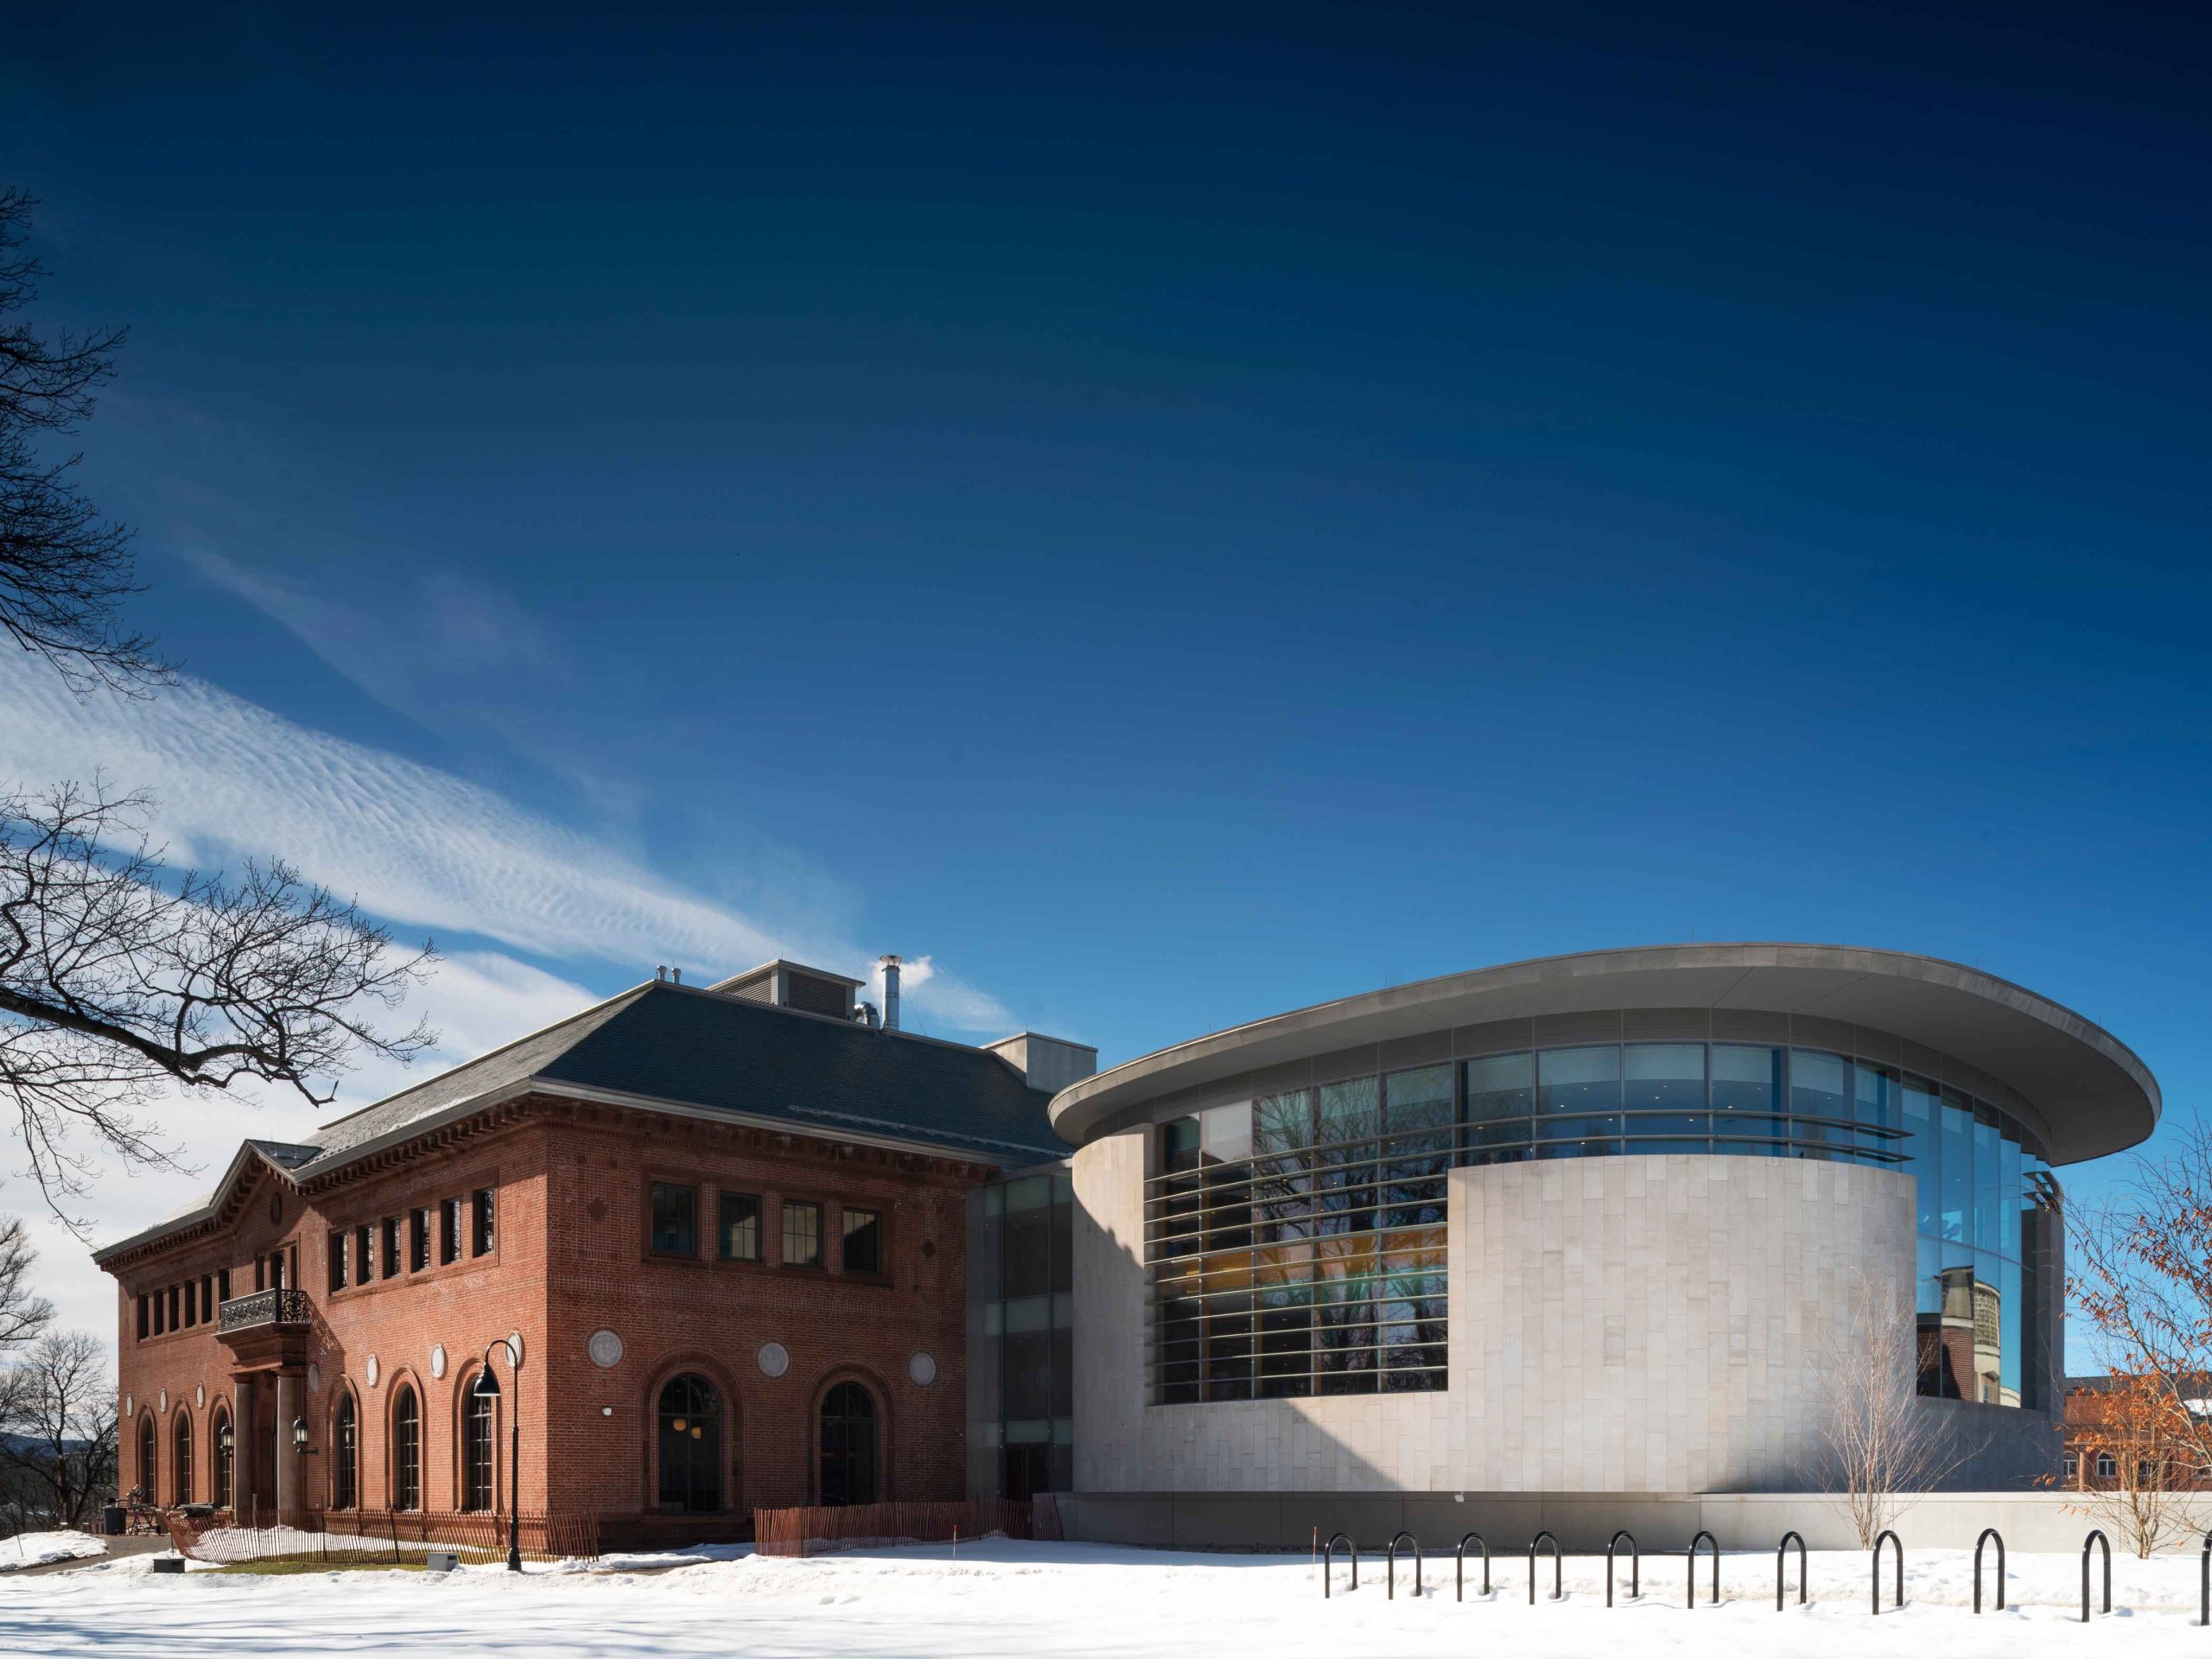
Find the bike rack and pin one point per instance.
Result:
(1898, 1590)
(1691, 1556)
(2105, 1544)
(1390, 1570)
(1635, 1568)
(1459, 1570)
(1780, 1553)
(1557, 1593)
(1988, 1533)
(1328, 1560)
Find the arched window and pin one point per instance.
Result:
(691, 1446)
(406, 1450)
(345, 1453)
(219, 1432)
(848, 1446)
(475, 1448)
(180, 1472)
(146, 1489)
(2108, 1466)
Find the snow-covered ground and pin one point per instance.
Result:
(1008, 1598)
(37, 1549)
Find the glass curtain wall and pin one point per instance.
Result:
(1020, 1335)
(1297, 1241)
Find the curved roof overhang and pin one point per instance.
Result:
(2094, 1094)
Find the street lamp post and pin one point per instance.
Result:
(488, 1385)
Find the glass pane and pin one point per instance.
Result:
(1924, 1146)
(1664, 1090)
(1585, 1081)
(1747, 1095)
(1501, 1093)
(2015, 1309)
(1819, 1087)
(1876, 1105)
(1958, 1168)
(2009, 1197)
(1417, 1108)
(673, 1225)
(1348, 1114)
(1988, 1180)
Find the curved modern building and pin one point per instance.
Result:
(1606, 1227)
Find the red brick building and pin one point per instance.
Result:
(2117, 1441)
(726, 1224)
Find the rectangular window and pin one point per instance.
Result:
(159, 1328)
(863, 1230)
(449, 1231)
(364, 1253)
(207, 1298)
(392, 1247)
(145, 1318)
(739, 1222)
(675, 1219)
(1746, 1099)
(802, 1234)
(338, 1260)
(1501, 1093)
(418, 1240)
(222, 1285)
(188, 1320)
(260, 1273)
(1664, 1089)
(1578, 1099)
(173, 1324)
(484, 1221)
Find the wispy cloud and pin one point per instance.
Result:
(417, 846)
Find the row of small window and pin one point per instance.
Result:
(181, 1306)
(739, 1236)
(454, 1221)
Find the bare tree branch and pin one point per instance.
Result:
(24, 1315)
(1886, 1445)
(58, 1429)
(64, 571)
(119, 977)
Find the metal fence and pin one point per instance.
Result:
(817, 1530)
(384, 1537)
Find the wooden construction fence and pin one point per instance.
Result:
(864, 1526)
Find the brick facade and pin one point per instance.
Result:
(570, 1256)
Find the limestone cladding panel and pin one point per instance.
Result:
(1617, 1325)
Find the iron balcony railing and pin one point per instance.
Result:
(264, 1308)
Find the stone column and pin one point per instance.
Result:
(288, 1459)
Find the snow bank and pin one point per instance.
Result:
(1007, 1599)
(37, 1549)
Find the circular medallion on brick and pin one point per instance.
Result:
(315, 1379)
(200, 1394)
(372, 1371)
(165, 1399)
(605, 1348)
(129, 1406)
(438, 1360)
(775, 1358)
(514, 1346)
(923, 1368)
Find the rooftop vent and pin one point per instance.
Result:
(782, 984)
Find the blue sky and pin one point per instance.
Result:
(1170, 516)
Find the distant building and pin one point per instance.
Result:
(727, 1222)
(2100, 1440)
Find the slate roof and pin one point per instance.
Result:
(690, 1047)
